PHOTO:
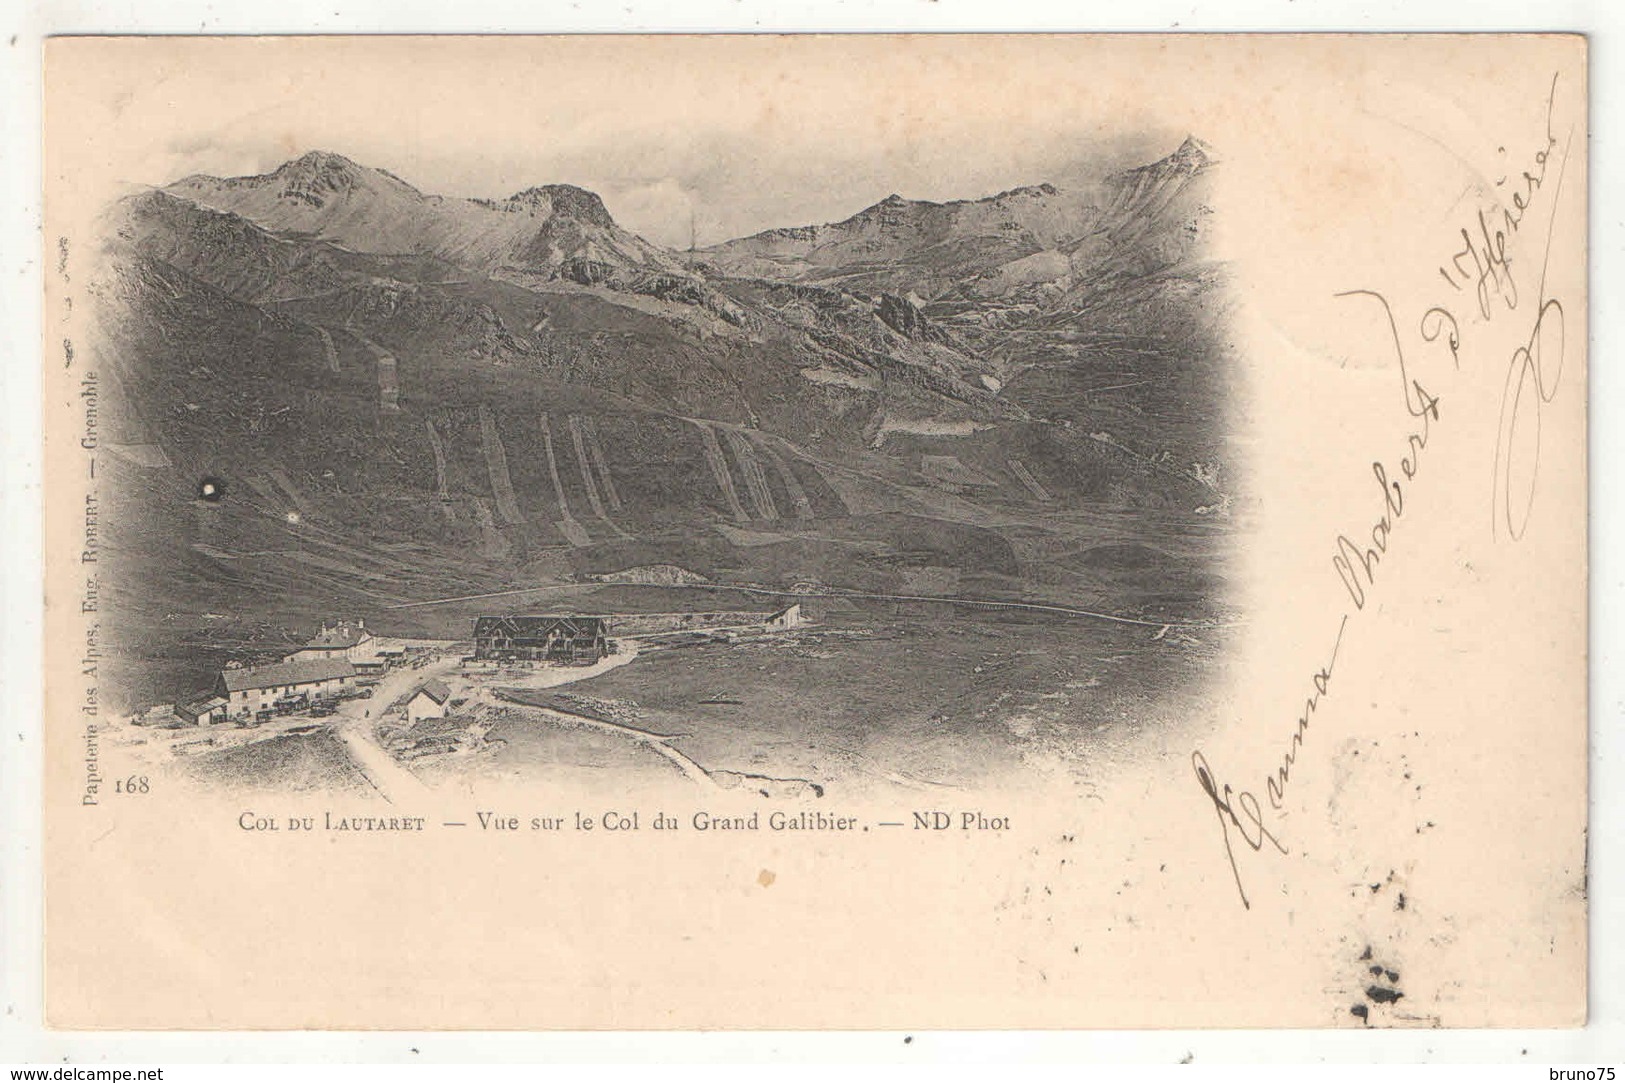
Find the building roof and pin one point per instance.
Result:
(201, 706)
(438, 728)
(307, 671)
(539, 625)
(435, 690)
(341, 636)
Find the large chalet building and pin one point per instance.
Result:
(571, 641)
(251, 690)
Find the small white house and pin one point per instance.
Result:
(428, 702)
(789, 617)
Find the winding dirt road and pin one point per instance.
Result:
(354, 726)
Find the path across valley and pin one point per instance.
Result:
(978, 603)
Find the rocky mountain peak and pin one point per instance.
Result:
(321, 166)
(320, 160)
(1030, 191)
(318, 174)
(1192, 156)
(566, 201)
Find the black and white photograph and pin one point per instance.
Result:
(409, 487)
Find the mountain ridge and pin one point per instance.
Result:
(329, 197)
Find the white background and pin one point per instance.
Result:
(22, 1040)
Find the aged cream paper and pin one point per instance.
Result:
(961, 531)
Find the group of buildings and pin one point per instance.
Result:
(332, 664)
(584, 641)
(329, 667)
(571, 641)
(321, 671)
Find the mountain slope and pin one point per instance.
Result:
(1136, 221)
(328, 197)
(246, 261)
(906, 244)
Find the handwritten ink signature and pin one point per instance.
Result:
(1537, 363)
(1354, 566)
(1220, 794)
(1532, 376)
(1491, 270)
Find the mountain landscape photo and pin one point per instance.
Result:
(939, 494)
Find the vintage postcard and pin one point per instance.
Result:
(950, 531)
